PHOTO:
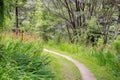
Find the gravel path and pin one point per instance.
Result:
(85, 73)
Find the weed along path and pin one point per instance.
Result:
(85, 73)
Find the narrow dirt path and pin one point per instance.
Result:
(85, 73)
(63, 69)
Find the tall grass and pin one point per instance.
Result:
(107, 59)
(101, 56)
(23, 60)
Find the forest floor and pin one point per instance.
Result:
(84, 72)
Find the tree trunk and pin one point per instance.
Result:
(1, 14)
(106, 31)
(116, 31)
(69, 35)
(105, 39)
(117, 27)
(16, 12)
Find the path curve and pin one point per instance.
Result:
(85, 73)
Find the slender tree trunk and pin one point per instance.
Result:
(116, 31)
(1, 14)
(69, 35)
(16, 12)
(106, 34)
(105, 39)
(117, 27)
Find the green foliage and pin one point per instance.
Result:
(23, 61)
(71, 48)
(108, 59)
(100, 57)
(100, 41)
(117, 46)
(92, 23)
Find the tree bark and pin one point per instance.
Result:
(69, 35)
(16, 12)
(1, 14)
(117, 27)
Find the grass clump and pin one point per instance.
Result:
(107, 59)
(23, 61)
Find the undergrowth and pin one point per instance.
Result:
(23, 60)
(99, 56)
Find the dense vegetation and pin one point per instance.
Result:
(104, 63)
(23, 60)
(87, 30)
